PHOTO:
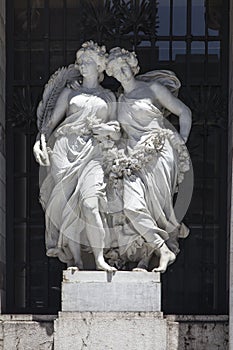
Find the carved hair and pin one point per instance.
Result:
(97, 53)
(118, 56)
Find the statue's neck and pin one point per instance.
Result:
(90, 83)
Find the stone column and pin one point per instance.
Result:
(2, 156)
(231, 126)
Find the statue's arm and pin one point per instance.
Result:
(175, 106)
(40, 147)
(116, 134)
(111, 128)
(58, 113)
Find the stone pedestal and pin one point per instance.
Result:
(110, 331)
(104, 292)
(114, 311)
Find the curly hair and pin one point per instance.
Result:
(118, 55)
(97, 53)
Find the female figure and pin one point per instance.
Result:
(153, 157)
(73, 194)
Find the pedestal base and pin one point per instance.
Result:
(104, 292)
(110, 331)
(110, 311)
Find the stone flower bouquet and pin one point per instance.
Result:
(119, 164)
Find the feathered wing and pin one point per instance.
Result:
(57, 82)
(164, 77)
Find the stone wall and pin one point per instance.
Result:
(28, 332)
(2, 155)
(197, 332)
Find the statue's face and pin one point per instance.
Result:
(122, 71)
(87, 65)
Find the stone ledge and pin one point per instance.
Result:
(197, 318)
(110, 277)
(27, 317)
(110, 315)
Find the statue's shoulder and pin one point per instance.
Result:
(67, 91)
(156, 78)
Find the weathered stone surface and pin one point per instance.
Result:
(103, 291)
(197, 332)
(173, 335)
(110, 331)
(26, 335)
(113, 330)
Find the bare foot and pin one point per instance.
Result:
(167, 257)
(102, 265)
(105, 267)
(75, 265)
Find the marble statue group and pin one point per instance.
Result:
(110, 166)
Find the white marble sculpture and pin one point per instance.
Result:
(156, 159)
(109, 174)
(73, 193)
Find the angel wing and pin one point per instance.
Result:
(164, 77)
(62, 77)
